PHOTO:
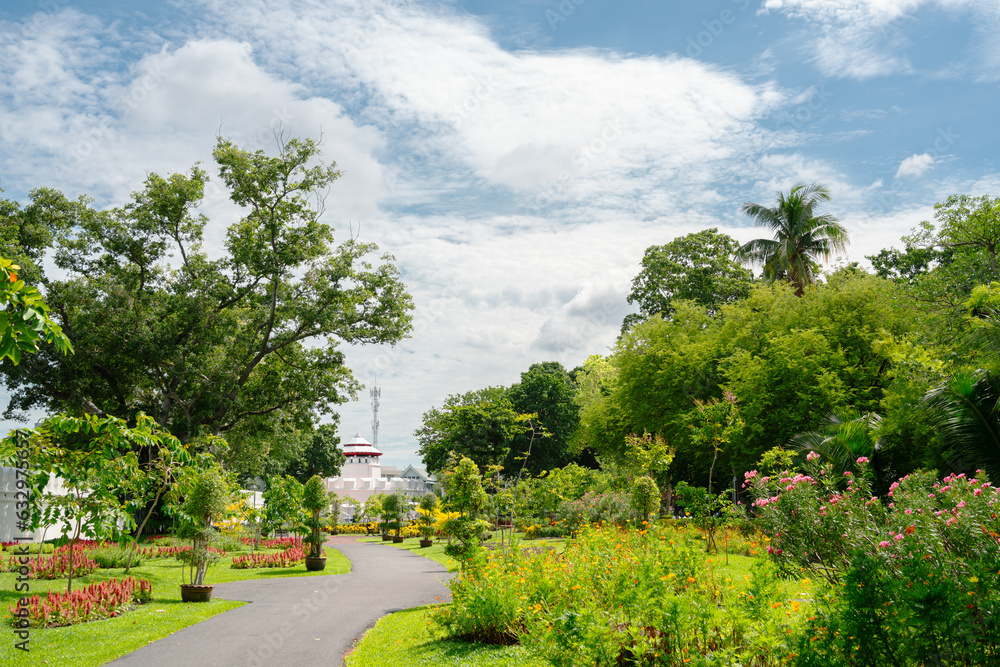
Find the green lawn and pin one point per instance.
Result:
(98, 642)
(406, 639)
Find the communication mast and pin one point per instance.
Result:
(376, 393)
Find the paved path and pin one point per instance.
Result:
(303, 620)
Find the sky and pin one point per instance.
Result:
(516, 158)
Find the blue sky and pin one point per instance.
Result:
(515, 157)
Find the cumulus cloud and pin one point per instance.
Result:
(915, 165)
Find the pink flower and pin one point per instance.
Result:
(862, 459)
(977, 492)
(883, 544)
(812, 456)
(909, 511)
(961, 504)
(898, 538)
(848, 474)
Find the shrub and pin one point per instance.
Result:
(611, 508)
(913, 579)
(287, 558)
(109, 557)
(645, 499)
(98, 600)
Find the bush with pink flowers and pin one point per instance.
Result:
(914, 577)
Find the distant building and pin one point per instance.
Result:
(363, 474)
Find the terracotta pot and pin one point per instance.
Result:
(426, 543)
(386, 538)
(196, 592)
(315, 564)
(397, 540)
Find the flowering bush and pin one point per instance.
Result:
(596, 508)
(623, 597)
(288, 558)
(914, 578)
(357, 528)
(98, 600)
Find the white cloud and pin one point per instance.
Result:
(863, 39)
(915, 165)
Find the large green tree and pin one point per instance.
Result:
(240, 339)
(697, 267)
(801, 235)
(479, 425)
(547, 391)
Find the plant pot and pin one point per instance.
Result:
(397, 539)
(315, 564)
(196, 592)
(426, 543)
(386, 538)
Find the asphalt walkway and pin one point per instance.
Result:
(302, 620)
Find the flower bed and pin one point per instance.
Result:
(99, 600)
(287, 558)
(55, 566)
(625, 597)
(277, 543)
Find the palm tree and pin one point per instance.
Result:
(843, 438)
(800, 236)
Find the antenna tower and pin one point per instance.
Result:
(376, 393)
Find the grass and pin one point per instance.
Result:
(406, 639)
(98, 642)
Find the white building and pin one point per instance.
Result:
(363, 474)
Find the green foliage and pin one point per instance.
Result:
(645, 499)
(314, 501)
(244, 344)
(319, 453)
(24, 318)
(114, 557)
(283, 502)
(697, 267)
(791, 361)
(800, 236)
(480, 425)
(465, 495)
(545, 391)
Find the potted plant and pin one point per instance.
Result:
(206, 496)
(428, 510)
(314, 501)
(391, 517)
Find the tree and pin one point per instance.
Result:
(95, 460)
(800, 236)
(845, 437)
(480, 425)
(464, 495)
(244, 345)
(320, 454)
(547, 391)
(698, 267)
